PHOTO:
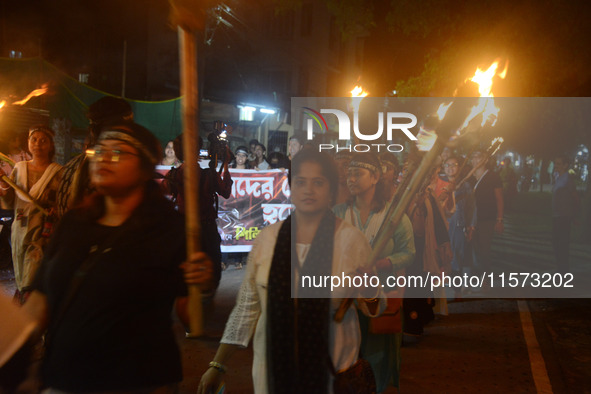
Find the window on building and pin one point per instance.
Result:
(277, 141)
(246, 113)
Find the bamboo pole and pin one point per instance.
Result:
(411, 190)
(190, 115)
(24, 193)
(455, 115)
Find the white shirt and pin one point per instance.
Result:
(249, 316)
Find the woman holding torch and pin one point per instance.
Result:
(296, 339)
(37, 181)
(367, 210)
(111, 273)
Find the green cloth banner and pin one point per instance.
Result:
(68, 98)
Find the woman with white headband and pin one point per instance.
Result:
(111, 274)
(38, 179)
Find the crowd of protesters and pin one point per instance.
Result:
(100, 262)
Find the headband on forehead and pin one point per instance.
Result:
(42, 129)
(343, 155)
(389, 160)
(367, 166)
(241, 151)
(127, 138)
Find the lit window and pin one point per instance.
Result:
(247, 113)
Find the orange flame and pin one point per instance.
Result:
(34, 93)
(2, 103)
(496, 145)
(486, 104)
(358, 92)
(426, 139)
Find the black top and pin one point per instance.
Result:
(484, 196)
(116, 334)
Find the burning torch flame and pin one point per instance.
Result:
(34, 93)
(357, 94)
(486, 104)
(442, 110)
(426, 139)
(496, 145)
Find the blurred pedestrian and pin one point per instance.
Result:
(212, 184)
(565, 206)
(433, 257)
(278, 160)
(260, 161)
(458, 206)
(110, 276)
(170, 158)
(296, 339)
(13, 148)
(294, 146)
(39, 179)
(526, 178)
(488, 211)
(252, 144)
(509, 179)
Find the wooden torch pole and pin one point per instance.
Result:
(190, 116)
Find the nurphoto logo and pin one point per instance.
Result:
(395, 122)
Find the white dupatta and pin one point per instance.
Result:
(39, 187)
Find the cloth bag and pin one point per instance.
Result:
(390, 321)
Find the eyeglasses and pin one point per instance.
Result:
(114, 155)
(450, 165)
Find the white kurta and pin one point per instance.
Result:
(351, 250)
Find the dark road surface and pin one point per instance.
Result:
(482, 346)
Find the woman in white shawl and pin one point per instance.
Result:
(31, 228)
(294, 337)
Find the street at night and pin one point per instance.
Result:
(295, 196)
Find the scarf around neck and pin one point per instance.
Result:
(298, 328)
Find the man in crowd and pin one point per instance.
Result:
(294, 146)
(565, 204)
(488, 216)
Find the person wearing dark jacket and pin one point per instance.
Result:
(111, 274)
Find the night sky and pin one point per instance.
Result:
(545, 42)
(437, 42)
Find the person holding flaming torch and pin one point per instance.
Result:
(111, 274)
(367, 209)
(31, 191)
